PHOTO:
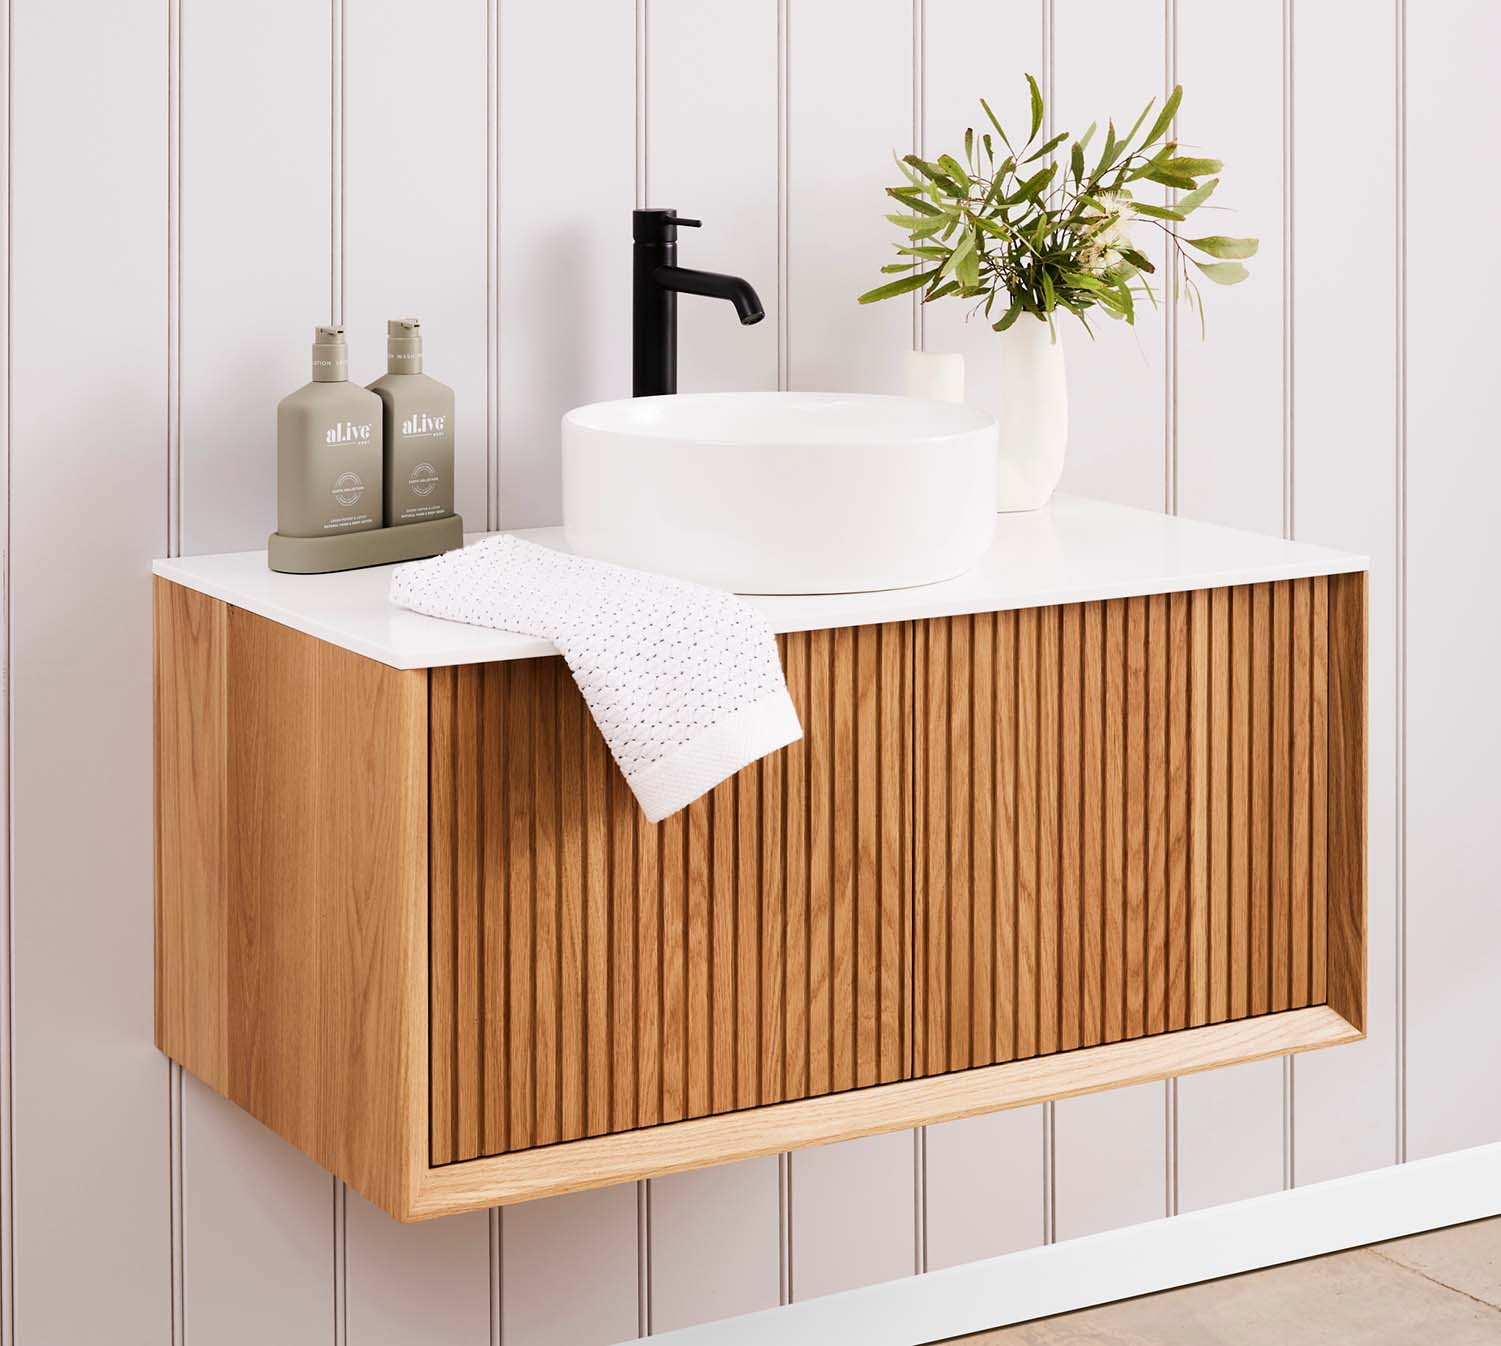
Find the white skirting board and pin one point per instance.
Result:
(1223, 1241)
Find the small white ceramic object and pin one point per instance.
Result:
(1034, 414)
(782, 493)
(937, 376)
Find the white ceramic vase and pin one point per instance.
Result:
(1033, 413)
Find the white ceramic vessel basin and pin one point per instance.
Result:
(782, 493)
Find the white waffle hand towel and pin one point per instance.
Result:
(683, 681)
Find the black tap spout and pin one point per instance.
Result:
(656, 282)
(713, 285)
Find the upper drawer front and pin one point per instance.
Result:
(1130, 815)
(591, 972)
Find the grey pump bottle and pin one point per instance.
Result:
(328, 449)
(418, 430)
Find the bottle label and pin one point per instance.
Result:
(348, 488)
(424, 479)
(347, 432)
(422, 425)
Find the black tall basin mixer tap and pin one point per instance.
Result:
(657, 280)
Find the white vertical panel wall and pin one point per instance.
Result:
(1345, 452)
(188, 191)
(1231, 452)
(254, 265)
(1449, 555)
(1098, 72)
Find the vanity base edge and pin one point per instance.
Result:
(601, 1161)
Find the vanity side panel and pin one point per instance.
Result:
(190, 731)
(291, 881)
(757, 946)
(1346, 817)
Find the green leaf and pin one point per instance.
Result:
(965, 248)
(1222, 273)
(1166, 179)
(1154, 212)
(912, 178)
(991, 227)
(896, 268)
(1009, 317)
(934, 174)
(1036, 108)
(968, 270)
(939, 293)
(912, 222)
(954, 169)
(1192, 168)
(1032, 186)
(989, 147)
(969, 143)
(930, 227)
(995, 124)
(1186, 205)
(913, 198)
(1087, 136)
(1080, 281)
(1127, 307)
(1217, 245)
(893, 288)
(1107, 155)
(1048, 148)
(1165, 117)
(1138, 259)
(1076, 162)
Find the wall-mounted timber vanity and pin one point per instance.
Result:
(1089, 815)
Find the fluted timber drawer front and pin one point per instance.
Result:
(593, 973)
(1136, 816)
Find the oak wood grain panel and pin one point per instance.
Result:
(444, 902)
(191, 716)
(1259, 811)
(1092, 811)
(1179, 794)
(1279, 937)
(1199, 804)
(1027, 806)
(1300, 858)
(1158, 711)
(1237, 823)
(985, 895)
(1319, 787)
(293, 943)
(1072, 938)
(1050, 986)
(1115, 821)
(1346, 876)
(1136, 817)
(1151, 808)
(1007, 961)
(747, 950)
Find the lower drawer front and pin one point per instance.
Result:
(593, 973)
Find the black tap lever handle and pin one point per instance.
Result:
(686, 224)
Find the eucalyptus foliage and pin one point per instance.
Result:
(1034, 228)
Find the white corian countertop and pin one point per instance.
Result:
(1072, 551)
